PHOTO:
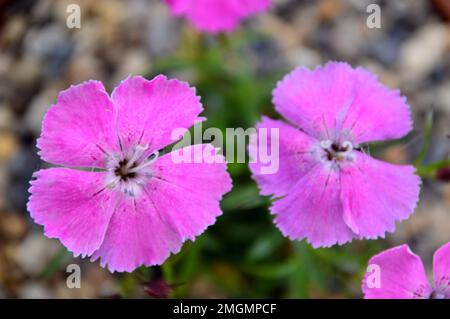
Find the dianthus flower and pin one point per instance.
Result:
(215, 16)
(115, 198)
(398, 273)
(327, 189)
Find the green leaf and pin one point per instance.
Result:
(55, 263)
(427, 137)
(243, 197)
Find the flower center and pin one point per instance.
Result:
(441, 290)
(123, 171)
(130, 171)
(335, 151)
(437, 295)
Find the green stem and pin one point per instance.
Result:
(428, 133)
(55, 263)
(430, 169)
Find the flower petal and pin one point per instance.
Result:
(72, 207)
(216, 15)
(291, 156)
(137, 235)
(340, 103)
(401, 276)
(80, 128)
(441, 270)
(251, 6)
(313, 209)
(178, 7)
(149, 111)
(376, 194)
(177, 204)
(192, 190)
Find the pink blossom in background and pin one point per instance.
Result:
(215, 16)
(131, 210)
(402, 275)
(327, 189)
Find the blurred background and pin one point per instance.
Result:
(243, 254)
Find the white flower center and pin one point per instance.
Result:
(437, 295)
(337, 151)
(130, 171)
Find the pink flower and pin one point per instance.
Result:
(327, 189)
(215, 16)
(398, 273)
(126, 209)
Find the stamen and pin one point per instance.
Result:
(336, 151)
(128, 172)
(146, 163)
(347, 146)
(138, 151)
(326, 144)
